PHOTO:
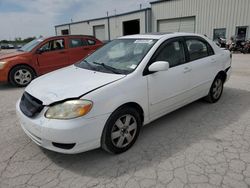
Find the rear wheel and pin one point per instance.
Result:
(121, 130)
(216, 90)
(21, 76)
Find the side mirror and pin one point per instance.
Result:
(40, 51)
(159, 66)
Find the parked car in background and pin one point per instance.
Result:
(44, 55)
(18, 46)
(105, 99)
(7, 46)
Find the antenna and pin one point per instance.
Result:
(180, 24)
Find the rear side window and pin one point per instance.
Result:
(91, 42)
(198, 49)
(173, 53)
(75, 43)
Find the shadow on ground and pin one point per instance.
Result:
(162, 138)
(6, 86)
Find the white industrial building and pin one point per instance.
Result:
(110, 27)
(214, 18)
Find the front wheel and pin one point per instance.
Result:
(21, 76)
(216, 90)
(121, 130)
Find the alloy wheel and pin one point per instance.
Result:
(124, 131)
(217, 89)
(22, 76)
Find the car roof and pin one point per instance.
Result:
(88, 36)
(158, 35)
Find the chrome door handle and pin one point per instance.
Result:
(187, 69)
(213, 61)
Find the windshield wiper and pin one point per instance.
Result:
(112, 69)
(87, 62)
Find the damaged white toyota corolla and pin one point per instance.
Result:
(104, 100)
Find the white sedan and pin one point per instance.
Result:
(105, 99)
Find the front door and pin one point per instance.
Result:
(168, 89)
(52, 56)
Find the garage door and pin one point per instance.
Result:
(99, 32)
(177, 25)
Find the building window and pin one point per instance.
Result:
(65, 32)
(219, 33)
(241, 33)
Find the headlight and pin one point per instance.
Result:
(2, 63)
(69, 110)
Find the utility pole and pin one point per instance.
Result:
(108, 26)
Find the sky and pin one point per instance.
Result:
(28, 18)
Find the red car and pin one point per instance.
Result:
(44, 55)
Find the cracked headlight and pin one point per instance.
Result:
(2, 63)
(69, 109)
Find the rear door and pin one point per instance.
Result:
(204, 65)
(93, 44)
(78, 49)
(52, 55)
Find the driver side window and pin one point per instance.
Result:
(53, 45)
(173, 53)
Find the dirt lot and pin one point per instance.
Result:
(200, 145)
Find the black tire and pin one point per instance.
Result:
(109, 144)
(216, 90)
(25, 74)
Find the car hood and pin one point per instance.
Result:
(11, 54)
(69, 82)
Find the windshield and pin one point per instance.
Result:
(31, 45)
(120, 56)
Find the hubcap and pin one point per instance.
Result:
(124, 131)
(217, 89)
(22, 76)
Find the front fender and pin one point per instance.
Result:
(108, 98)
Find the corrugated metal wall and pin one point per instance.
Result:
(116, 23)
(210, 14)
(59, 29)
(86, 28)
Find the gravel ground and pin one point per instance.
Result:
(3, 51)
(200, 145)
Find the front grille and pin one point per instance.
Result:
(30, 106)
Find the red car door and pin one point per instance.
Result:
(78, 49)
(93, 44)
(52, 55)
